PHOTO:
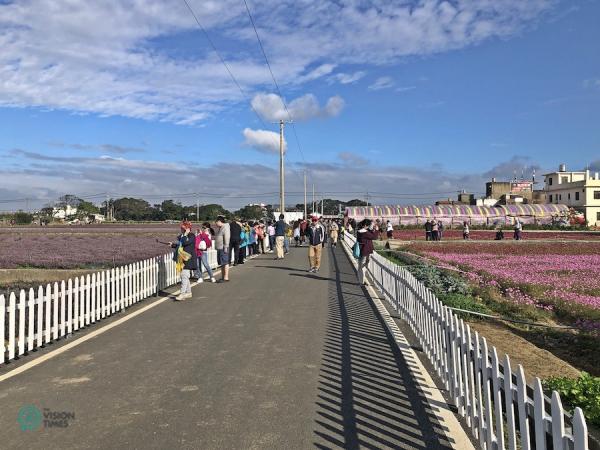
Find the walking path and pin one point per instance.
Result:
(277, 358)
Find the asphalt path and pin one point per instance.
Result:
(277, 358)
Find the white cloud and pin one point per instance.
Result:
(382, 83)
(405, 88)
(348, 78)
(591, 83)
(108, 56)
(306, 107)
(264, 141)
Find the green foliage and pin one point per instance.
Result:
(250, 212)
(583, 392)
(467, 302)
(22, 218)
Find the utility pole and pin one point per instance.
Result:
(197, 208)
(305, 212)
(313, 202)
(367, 198)
(322, 206)
(281, 168)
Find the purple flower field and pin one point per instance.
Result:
(81, 247)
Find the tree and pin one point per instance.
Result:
(210, 212)
(69, 200)
(86, 208)
(171, 210)
(23, 218)
(356, 202)
(128, 208)
(250, 212)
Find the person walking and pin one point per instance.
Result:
(333, 233)
(303, 229)
(235, 228)
(288, 237)
(466, 232)
(203, 244)
(316, 241)
(365, 236)
(222, 238)
(186, 258)
(440, 230)
(389, 230)
(297, 233)
(260, 237)
(518, 229)
(279, 227)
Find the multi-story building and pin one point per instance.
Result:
(579, 190)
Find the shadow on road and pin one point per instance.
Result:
(368, 397)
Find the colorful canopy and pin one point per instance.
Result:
(540, 211)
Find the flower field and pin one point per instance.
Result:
(547, 275)
(488, 235)
(81, 247)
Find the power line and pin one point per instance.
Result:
(214, 47)
(275, 82)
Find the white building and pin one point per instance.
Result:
(64, 213)
(289, 216)
(579, 190)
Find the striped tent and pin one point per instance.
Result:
(491, 215)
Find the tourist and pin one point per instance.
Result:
(186, 259)
(518, 229)
(243, 244)
(466, 235)
(342, 231)
(440, 230)
(428, 228)
(303, 228)
(235, 228)
(271, 234)
(389, 230)
(365, 236)
(279, 233)
(333, 233)
(434, 230)
(203, 244)
(297, 233)
(316, 241)
(260, 237)
(222, 238)
(288, 238)
(499, 235)
(252, 245)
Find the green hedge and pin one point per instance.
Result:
(583, 392)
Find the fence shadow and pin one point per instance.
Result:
(367, 395)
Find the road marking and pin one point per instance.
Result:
(43, 358)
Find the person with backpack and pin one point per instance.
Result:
(279, 232)
(243, 244)
(203, 244)
(235, 228)
(365, 236)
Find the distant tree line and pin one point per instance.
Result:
(136, 209)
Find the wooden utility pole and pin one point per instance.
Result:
(281, 170)
(305, 211)
(313, 202)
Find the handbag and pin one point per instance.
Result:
(356, 250)
(202, 245)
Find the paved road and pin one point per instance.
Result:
(276, 359)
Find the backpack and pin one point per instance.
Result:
(356, 250)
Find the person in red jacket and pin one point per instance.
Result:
(365, 236)
(203, 244)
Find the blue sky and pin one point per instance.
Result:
(407, 98)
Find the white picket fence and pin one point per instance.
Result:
(498, 405)
(32, 319)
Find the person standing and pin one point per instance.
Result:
(440, 230)
(428, 229)
(288, 237)
(243, 244)
(518, 229)
(333, 233)
(185, 252)
(297, 233)
(316, 241)
(222, 238)
(235, 228)
(466, 231)
(365, 236)
(389, 230)
(260, 237)
(434, 230)
(303, 228)
(271, 234)
(203, 244)
(280, 236)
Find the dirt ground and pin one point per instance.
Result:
(536, 361)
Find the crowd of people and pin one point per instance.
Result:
(237, 239)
